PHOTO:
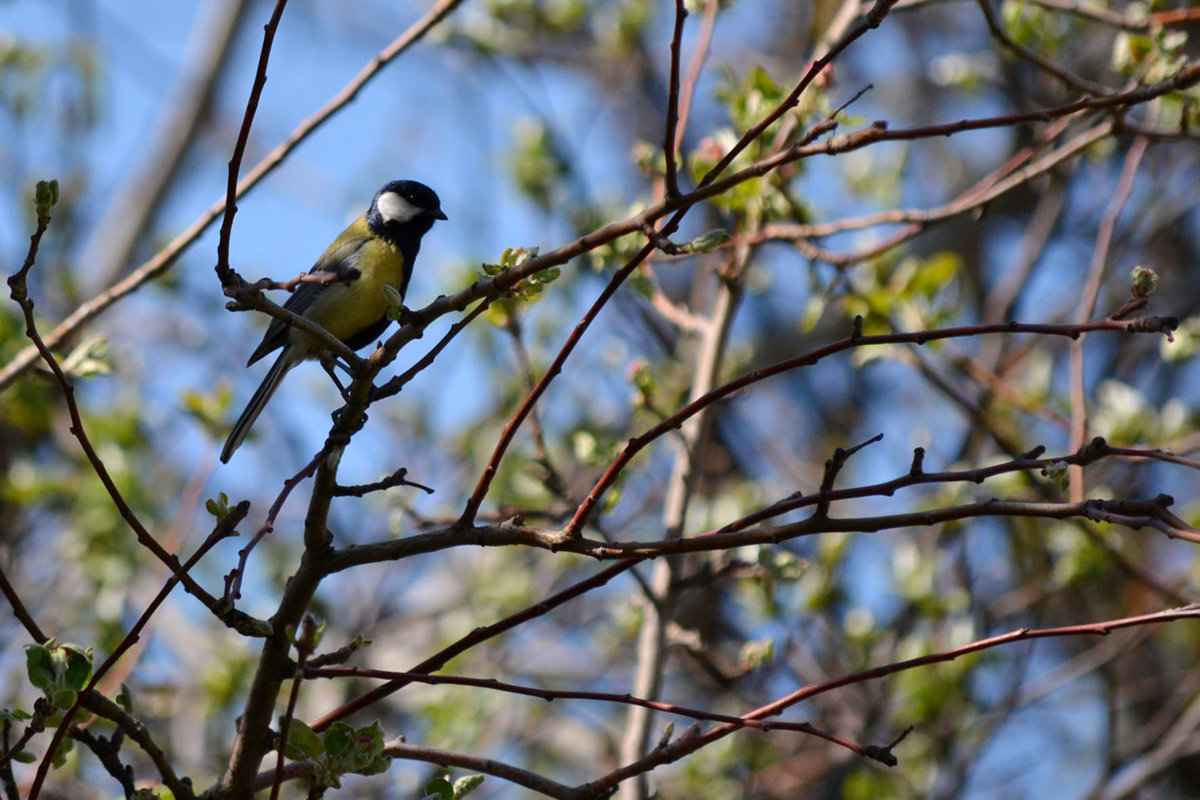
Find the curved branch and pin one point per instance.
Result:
(688, 744)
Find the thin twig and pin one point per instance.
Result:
(20, 293)
(1033, 57)
(1087, 303)
(488, 766)
(523, 411)
(20, 611)
(574, 694)
(475, 637)
(638, 443)
(690, 744)
(670, 136)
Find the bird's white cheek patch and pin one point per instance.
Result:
(395, 208)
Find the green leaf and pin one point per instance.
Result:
(218, 507)
(39, 666)
(1057, 473)
(90, 358)
(339, 738)
(64, 749)
(467, 784)
(642, 378)
(210, 408)
(353, 750)
(707, 242)
(1144, 281)
(303, 743)
(529, 290)
(394, 298)
(516, 256)
(755, 654)
(642, 285)
(546, 276)
(45, 197)
(439, 789)
(376, 766)
(311, 634)
(14, 715)
(78, 669)
(64, 698)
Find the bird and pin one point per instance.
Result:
(377, 250)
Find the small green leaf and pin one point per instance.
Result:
(439, 789)
(354, 749)
(516, 256)
(64, 698)
(78, 666)
(64, 749)
(39, 666)
(546, 276)
(376, 766)
(612, 497)
(392, 295)
(302, 742)
(466, 784)
(90, 358)
(24, 757)
(642, 285)
(706, 242)
(124, 698)
(813, 310)
(338, 738)
(756, 653)
(644, 382)
(1057, 473)
(45, 198)
(13, 715)
(218, 507)
(1144, 281)
(311, 634)
(530, 290)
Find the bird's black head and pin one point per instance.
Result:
(404, 210)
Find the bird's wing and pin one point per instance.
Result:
(339, 258)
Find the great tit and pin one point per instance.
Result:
(381, 245)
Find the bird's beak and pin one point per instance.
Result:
(439, 214)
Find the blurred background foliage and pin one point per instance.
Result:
(538, 121)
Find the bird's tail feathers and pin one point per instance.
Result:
(287, 359)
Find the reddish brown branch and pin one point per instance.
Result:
(510, 428)
(1135, 514)
(573, 694)
(20, 293)
(638, 443)
(690, 744)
